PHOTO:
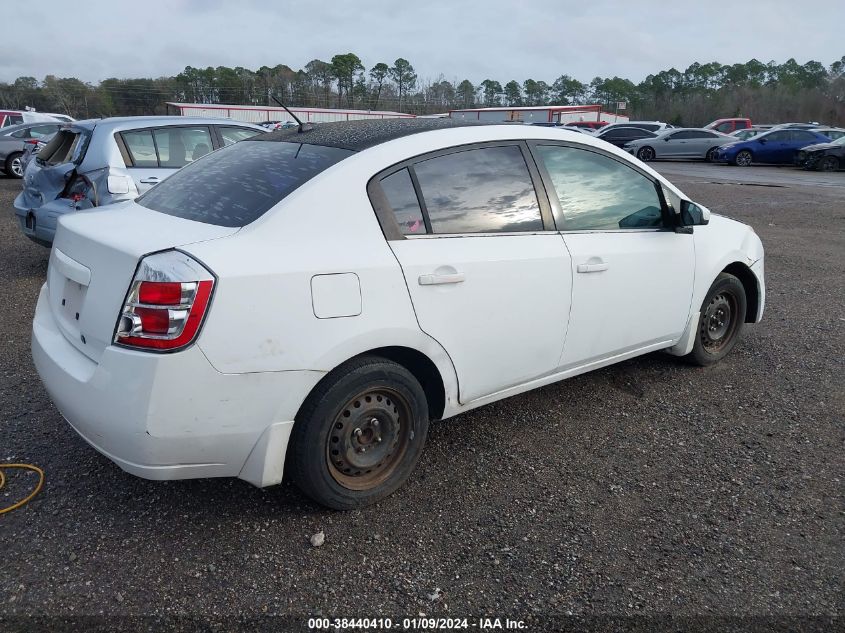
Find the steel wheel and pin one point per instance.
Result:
(743, 158)
(368, 439)
(719, 322)
(645, 154)
(829, 163)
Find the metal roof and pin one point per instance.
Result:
(360, 135)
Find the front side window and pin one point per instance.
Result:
(234, 134)
(599, 193)
(487, 190)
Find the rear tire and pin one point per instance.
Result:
(645, 154)
(721, 320)
(743, 158)
(829, 163)
(359, 434)
(13, 165)
(712, 155)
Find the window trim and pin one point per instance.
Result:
(387, 219)
(670, 222)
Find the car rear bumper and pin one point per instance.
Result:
(39, 223)
(170, 416)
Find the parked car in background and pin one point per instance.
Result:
(278, 307)
(17, 117)
(587, 125)
(822, 156)
(726, 126)
(680, 143)
(100, 161)
(620, 136)
(61, 117)
(651, 126)
(747, 133)
(777, 146)
(14, 140)
(833, 133)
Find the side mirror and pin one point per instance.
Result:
(693, 214)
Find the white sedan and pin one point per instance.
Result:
(317, 297)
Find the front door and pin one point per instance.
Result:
(632, 277)
(488, 276)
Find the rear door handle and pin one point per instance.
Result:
(152, 180)
(592, 268)
(435, 280)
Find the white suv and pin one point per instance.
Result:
(312, 299)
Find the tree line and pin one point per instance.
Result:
(765, 92)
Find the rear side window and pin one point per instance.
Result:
(399, 190)
(239, 183)
(141, 148)
(486, 190)
(178, 146)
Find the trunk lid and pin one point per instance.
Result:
(94, 258)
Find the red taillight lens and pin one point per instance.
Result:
(160, 293)
(165, 315)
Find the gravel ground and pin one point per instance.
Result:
(644, 489)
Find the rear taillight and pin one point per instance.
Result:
(81, 188)
(166, 303)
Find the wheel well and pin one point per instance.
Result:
(749, 284)
(423, 369)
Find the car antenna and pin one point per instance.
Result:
(303, 127)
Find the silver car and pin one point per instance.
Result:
(100, 161)
(13, 142)
(689, 142)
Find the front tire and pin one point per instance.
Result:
(720, 322)
(645, 154)
(829, 163)
(743, 158)
(359, 434)
(712, 155)
(14, 166)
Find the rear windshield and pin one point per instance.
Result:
(238, 184)
(67, 146)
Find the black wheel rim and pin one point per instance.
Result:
(711, 155)
(369, 438)
(718, 324)
(743, 158)
(646, 153)
(828, 164)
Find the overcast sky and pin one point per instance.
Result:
(476, 40)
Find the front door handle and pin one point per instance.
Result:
(435, 280)
(152, 180)
(592, 268)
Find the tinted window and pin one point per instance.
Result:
(777, 136)
(16, 119)
(677, 136)
(599, 193)
(400, 193)
(727, 126)
(234, 134)
(479, 191)
(798, 135)
(239, 183)
(178, 146)
(141, 148)
(40, 131)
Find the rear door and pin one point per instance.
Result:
(152, 154)
(632, 276)
(488, 275)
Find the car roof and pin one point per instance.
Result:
(119, 123)
(363, 134)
